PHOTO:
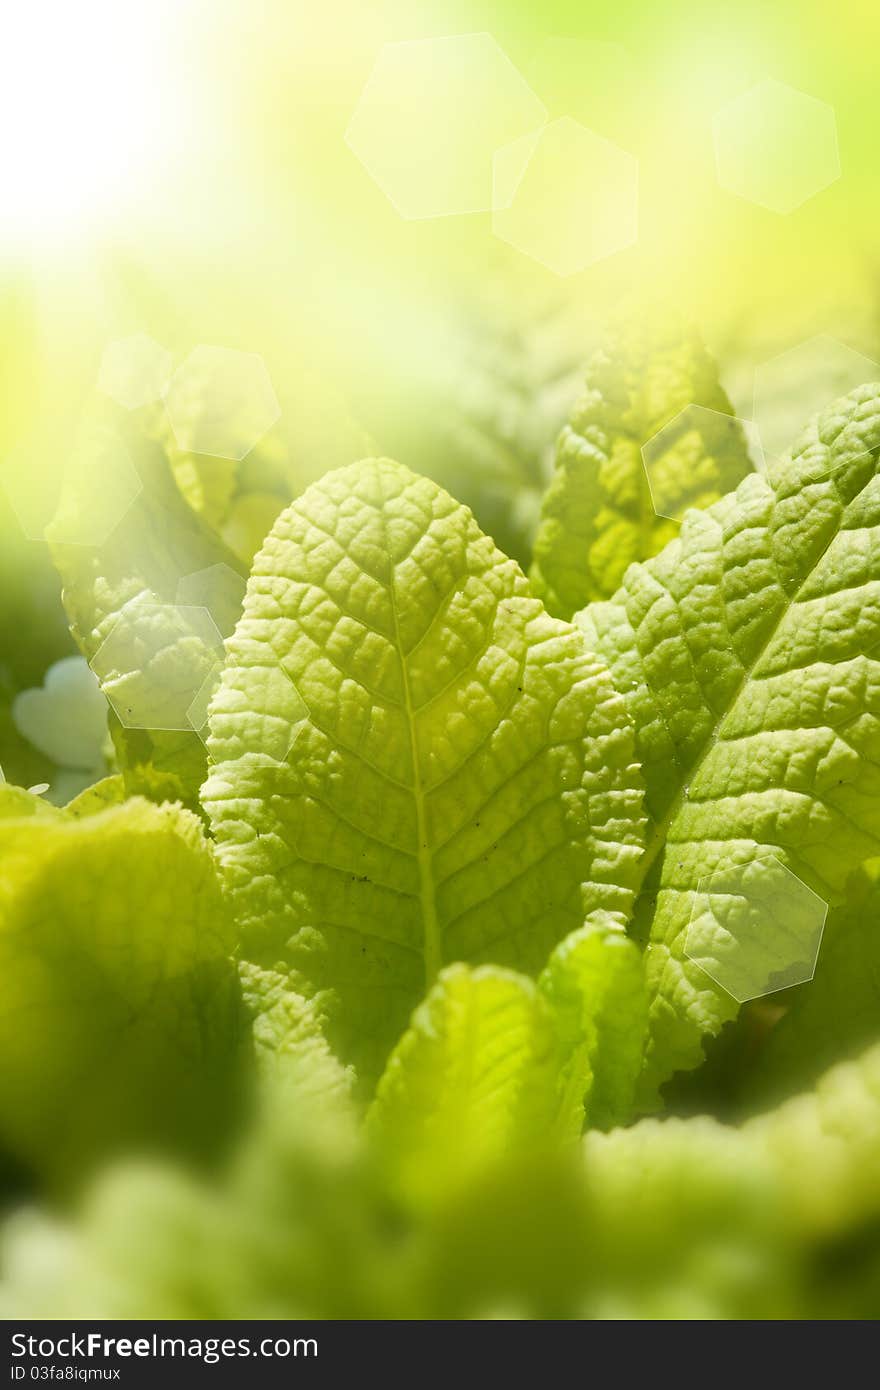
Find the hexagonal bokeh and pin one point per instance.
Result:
(66, 717)
(155, 661)
(791, 387)
(135, 371)
(197, 711)
(776, 146)
(70, 486)
(221, 401)
(271, 731)
(700, 455)
(217, 588)
(565, 196)
(100, 483)
(430, 118)
(755, 928)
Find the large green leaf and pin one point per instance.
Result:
(413, 763)
(746, 653)
(598, 513)
(120, 1016)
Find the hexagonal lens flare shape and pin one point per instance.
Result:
(755, 928)
(430, 118)
(221, 401)
(197, 711)
(699, 455)
(217, 588)
(72, 488)
(791, 387)
(275, 727)
(99, 485)
(776, 146)
(155, 661)
(566, 197)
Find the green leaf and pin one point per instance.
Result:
(16, 803)
(413, 763)
(475, 1076)
(120, 1015)
(241, 498)
(211, 484)
(157, 542)
(594, 984)
(492, 1064)
(110, 791)
(598, 515)
(746, 652)
(207, 483)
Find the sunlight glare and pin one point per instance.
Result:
(84, 113)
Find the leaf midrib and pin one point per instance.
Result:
(432, 939)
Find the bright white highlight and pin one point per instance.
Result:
(84, 112)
